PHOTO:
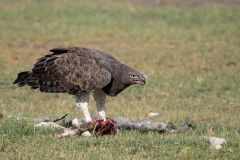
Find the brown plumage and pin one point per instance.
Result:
(79, 71)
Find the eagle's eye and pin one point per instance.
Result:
(131, 76)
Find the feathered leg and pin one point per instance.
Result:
(100, 98)
(82, 102)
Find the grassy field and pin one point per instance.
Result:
(190, 54)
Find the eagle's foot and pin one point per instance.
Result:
(102, 115)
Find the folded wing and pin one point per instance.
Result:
(74, 70)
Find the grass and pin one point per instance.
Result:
(191, 56)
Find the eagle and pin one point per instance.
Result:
(79, 71)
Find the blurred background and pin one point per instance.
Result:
(163, 34)
(178, 43)
(190, 50)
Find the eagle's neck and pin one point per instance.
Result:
(114, 87)
(116, 84)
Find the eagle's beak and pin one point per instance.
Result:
(143, 78)
(140, 81)
(143, 81)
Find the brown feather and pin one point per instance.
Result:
(77, 70)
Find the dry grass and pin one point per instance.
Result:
(191, 56)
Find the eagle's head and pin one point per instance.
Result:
(136, 78)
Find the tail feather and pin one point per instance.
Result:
(45, 84)
(20, 77)
(27, 78)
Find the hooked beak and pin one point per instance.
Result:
(140, 81)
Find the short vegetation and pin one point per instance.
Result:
(191, 54)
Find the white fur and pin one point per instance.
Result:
(100, 98)
(82, 103)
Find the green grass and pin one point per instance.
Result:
(191, 55)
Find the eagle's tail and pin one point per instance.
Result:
(27, 78)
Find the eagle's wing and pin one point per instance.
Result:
(75, 70)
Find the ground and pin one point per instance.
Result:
(189, 50)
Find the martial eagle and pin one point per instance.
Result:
(79, 71)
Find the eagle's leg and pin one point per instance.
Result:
(82, 102)
(100, 98)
